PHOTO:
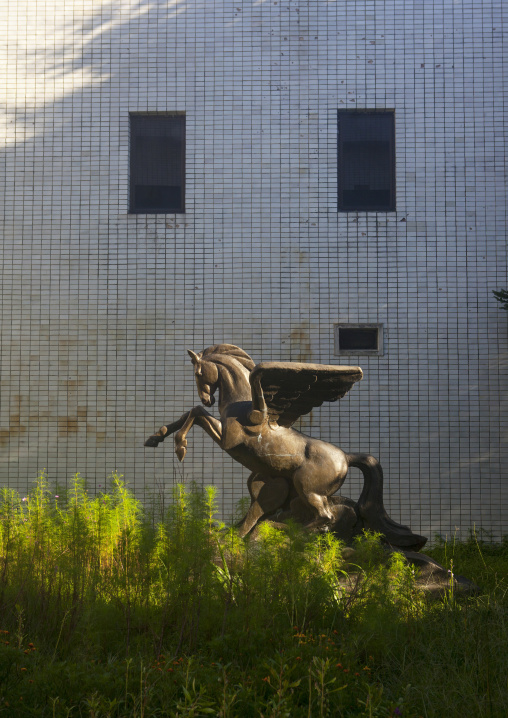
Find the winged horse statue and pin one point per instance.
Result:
(258, 405)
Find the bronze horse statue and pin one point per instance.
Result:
(258, 406)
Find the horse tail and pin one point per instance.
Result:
(371, 508)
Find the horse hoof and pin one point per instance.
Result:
(180, 452)
(153, 441)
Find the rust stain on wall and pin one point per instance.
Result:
(72, 384)
(15, 425)
(67, 425)
(300, 340)
(16, 428)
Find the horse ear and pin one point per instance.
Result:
(195, 358)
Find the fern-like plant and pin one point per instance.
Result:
(502, 298)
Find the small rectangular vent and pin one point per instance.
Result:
(359, 339)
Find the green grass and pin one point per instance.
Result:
(107, 611)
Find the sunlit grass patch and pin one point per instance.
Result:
(106, 612)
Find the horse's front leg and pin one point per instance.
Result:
(166, 431)
(206, 421)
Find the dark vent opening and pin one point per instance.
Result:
(355, 339)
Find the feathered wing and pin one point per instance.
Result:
(292, 389)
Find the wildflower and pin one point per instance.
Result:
(366, 668)
(57, 496)
(267, 679)
(357, 674)
(298, 658)
(339, 665)
(397, 712)
(346, 670)
(25, 498)
(23, 669)
(30, 645)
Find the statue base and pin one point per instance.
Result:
(432, 578)
(349, 521)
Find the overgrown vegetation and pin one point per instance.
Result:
(107, 612)
(502, 298)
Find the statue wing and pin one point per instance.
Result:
(292, 389)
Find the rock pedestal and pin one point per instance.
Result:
(431, 577)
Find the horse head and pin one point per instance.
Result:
(207, 377)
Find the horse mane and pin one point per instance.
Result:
(224, 353)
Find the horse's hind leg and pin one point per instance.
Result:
(320, 505)
(267, 495)
(314, 481)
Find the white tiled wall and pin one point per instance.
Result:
(99, 306)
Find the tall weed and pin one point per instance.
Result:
(106, 612)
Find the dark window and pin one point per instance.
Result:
(363, 339)
(359, 339)
(157, 163)
(366, 161)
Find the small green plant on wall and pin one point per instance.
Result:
(502, 298)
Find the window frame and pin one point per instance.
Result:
(340, 162)
(132, 209)
(379, 351)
